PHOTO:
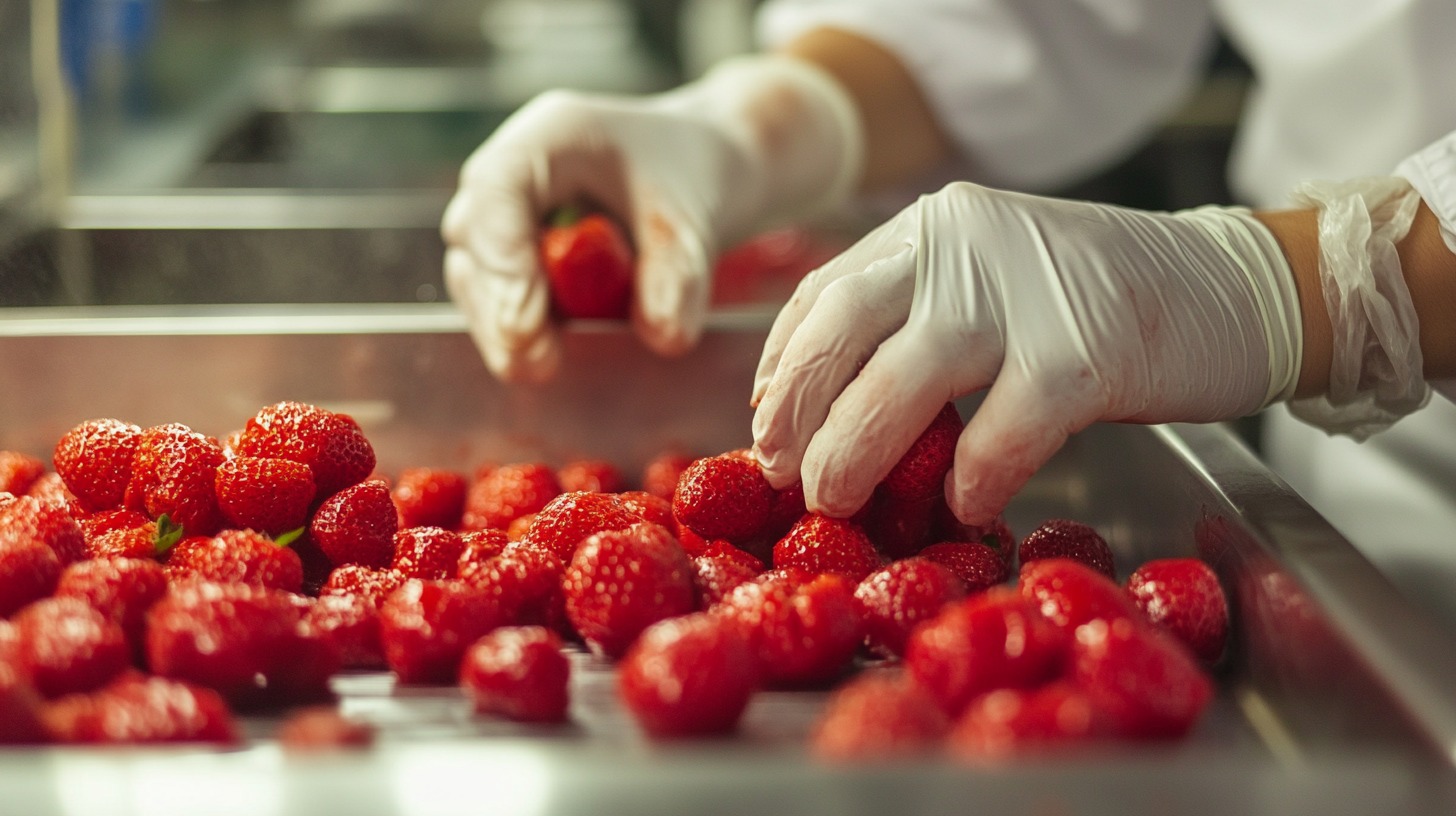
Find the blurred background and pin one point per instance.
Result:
(302, 151)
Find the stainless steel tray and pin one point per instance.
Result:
(1339, 699)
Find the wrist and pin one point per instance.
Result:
(1297, 233)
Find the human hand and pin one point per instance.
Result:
(1067, 312)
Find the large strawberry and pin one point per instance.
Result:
(1183, 596)
(357, 525)
(804, 628)
(238, 556)
(1069, 593)
(978, 565)
(174, 474)
(122, 589)
(723, 496)
(94, 459)
(619, 582)
(892, 601)
(525, 584)
(63, 645)
(570, 518)
(270, 495)
(331, 444)
(819, 543)
(688, 675)
(427, 552)
(589, 265)
(1145, 681)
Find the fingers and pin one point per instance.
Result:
(673, 283)
(507, 319)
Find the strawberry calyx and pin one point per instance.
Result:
(565, 216)
(286, 539)
(168, 534)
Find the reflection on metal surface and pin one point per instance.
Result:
(508, 781)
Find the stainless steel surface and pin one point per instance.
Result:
(1338, 699)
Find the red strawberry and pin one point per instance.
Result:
(619, 582)
(427, 552)
(272, 496)
(1183, 596)
(720, 569)
(818, 543)
(525, 583)
(1014, 722)
(993, 640)
(28, 571)
(371, 584)
(238, 556)
(893, 600)
(1062, 538)
(878, 716)
(357, 525)
(688, 676)
(50, 489)
(723, 496)
(660, 475)
(920, 472)
(18, 471)
(1148, 684)
(589, 266)
(121, 589)
(518, 672)
(63, 645)
(429, 497)
(517, 529)
(507, 493)
(479, 546)
(331, 444)
(174, 474)
(694, 544)
(650, 507)
(590, 476)
(136, 709)
(105, 521)
(571, 518)
(322, 728)
(136, 542)
(996, 535)
(29, 519)
(20, 708)
(351, 623)
(426, 627)
(1069, 593)
(788, 507)
(804, 628)
(94, 459)
(977, 565)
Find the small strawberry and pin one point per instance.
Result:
(660, 475)
(893, 600)
(507, 493)
(429, 497)
(238, 556)
(1147, 683)
(649, 507)
(94, 459)
(1011, 722)
(174, 473)
(478, 547)
(30, 519)
(920, 472)
(878, 716)
(351, 623)
(993, 640)
(518, 672)
(322, 728)
(619, 582)
(426, 626)
(719, 569)
(20, 708)
(136, 709)
(374, 585)
(818, 543)
(996, 534)
(1069, 593)
(63, 646)
(331, 444)
(18, 471)
(977, 565)
(804, 628)
(121, 589)
(28, 571)
(1062, 538)
(357, 525)
(1183, 596)
(589, 266)
(271, 496)
(723, 496)
(427, 552)
(688, 676)
(571, 518)
(590, 476)
(525, 584)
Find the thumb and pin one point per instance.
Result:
(673, 283)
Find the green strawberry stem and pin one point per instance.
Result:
(289, 537)
(168, 534)
(566, 216)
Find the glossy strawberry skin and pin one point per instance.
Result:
(518, 672)
(589, 268)
(427, 552)
(996, 534)
(662, 473)
(121, 589)
(571, 518)
(590, 476)
(331, 444)
(1008, 723)
(819, 544)
(920, 472)
(804, 628)
(28, 572)
(350, 622)
(525, 584)
(619, 582)
(649, 507)
(687, 676)
(63, 646)
(136, 709)
(479, 546)
(94, 459)
(369, 583)
(978, 566)
(1069, 593)
(426, 626)
(723, 496)
(1183, 596)
(429, 497)
(878, 717)
(892, 601)
(507, 493)
(238, 556)
(1146, 682)
(1064, 538)
(30, 519)
(270, 495)
(18, 471)
(174, 473)
(357, 525)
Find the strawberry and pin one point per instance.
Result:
(331, 444)
(478, 547)
(30, 519)
(525, 583)
(516, 530)
(357, 525)
(136, 542)
(1183, 596)
(429, 497)
(719, 569)
(121, 589)
(649, 507)
(18, 471)
(507, 493)
(269, 495)
(619, 582)
(723, 496)
(1147, 683)
(63, 645)
(50, 489)
(136, 709)
(695, 545)
(993, 640)
(688, 676)
(804, 628)
(893, 600)
(787, 508)
(28, 571)
(920, 471)
(373, 585)
(1069, 593)
(590, 476)
(20, 707)
(518, 672)
(1062, 538)
(174, 474)
(322, 728)
(661, 474)
(94, 459)
(427, 552)
(818, 543)
(996, 534)
(426, 626)
(899, 527)
(570, 518)
(351, 624)
(878, 716)
(978, 566)
(589, 266)
(1015, 722)
(238, 556)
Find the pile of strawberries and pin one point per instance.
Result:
(158, 580)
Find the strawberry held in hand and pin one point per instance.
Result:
(588, 265)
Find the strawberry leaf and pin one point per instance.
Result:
(168, 534)
(289, 537)
(566, 216)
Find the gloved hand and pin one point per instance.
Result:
(1069, 312)
(758, 140)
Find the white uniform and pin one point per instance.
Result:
(1039, 92)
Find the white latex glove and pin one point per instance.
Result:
(1069, 312)
(758, 140)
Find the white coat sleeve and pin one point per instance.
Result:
(1432, 172)
(1036, 93)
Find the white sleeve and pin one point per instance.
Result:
(1034, 92)
(1432, 172)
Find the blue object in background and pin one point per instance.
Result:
(101, 35)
